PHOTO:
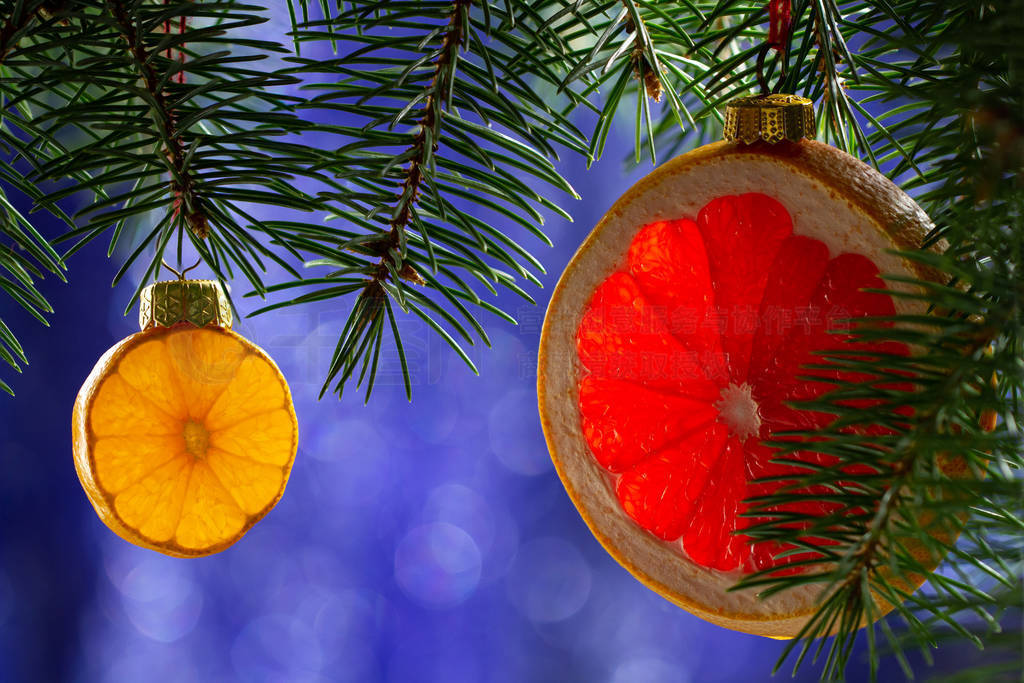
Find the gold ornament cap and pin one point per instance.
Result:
(771, 118)
(200, 302)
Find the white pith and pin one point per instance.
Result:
(738, 409)
(818, 212)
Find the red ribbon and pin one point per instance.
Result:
(779, 17)
(179, 78)
(182, 27)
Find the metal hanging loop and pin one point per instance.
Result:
(762, 80)
(181, 275)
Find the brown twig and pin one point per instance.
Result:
(187, 200)
(429, 128)
(14, 24)
(643, 70)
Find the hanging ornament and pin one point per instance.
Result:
(184, 434)
(675, 339)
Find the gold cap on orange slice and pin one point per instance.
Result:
(771, 118)
(200, 302)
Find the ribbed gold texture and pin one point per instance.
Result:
(200, 302)
(771, 118)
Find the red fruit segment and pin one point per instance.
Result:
(710, 540)
(670, 265)
(623, 337)
(661, 492)
(625, 423)
(742, 235)
(787, 296)
(838, 296)
(760, 465)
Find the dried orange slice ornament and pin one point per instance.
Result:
(184, 434)
(675, 339)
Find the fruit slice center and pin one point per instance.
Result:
(738, 410)
(197, 438)
(692, 354)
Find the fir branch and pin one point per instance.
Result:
(419, 153)
(13, 26)
(425, 142)
(196, 149)
(967, 160)
(704, 54)
(165, 121)
(866, 549)
(27, 254)
(630, 48)
(441, 112)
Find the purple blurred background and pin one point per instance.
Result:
(422, 542)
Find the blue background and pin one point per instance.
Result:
(422, 542)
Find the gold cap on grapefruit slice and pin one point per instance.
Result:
(672, 344)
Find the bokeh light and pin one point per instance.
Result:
(437, 565)
(550, 580)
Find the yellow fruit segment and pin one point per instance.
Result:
(204, 363)
(210, 515)
(252, 391)
(253, 484)
(122, 461)
(185, 438)
(153, 505)
(147, 369)
(262, 437)
(121, 410)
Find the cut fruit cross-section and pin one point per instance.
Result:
(184, 438)
(690, 316)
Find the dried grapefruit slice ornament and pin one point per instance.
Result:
(675, 339)
(184, 433)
